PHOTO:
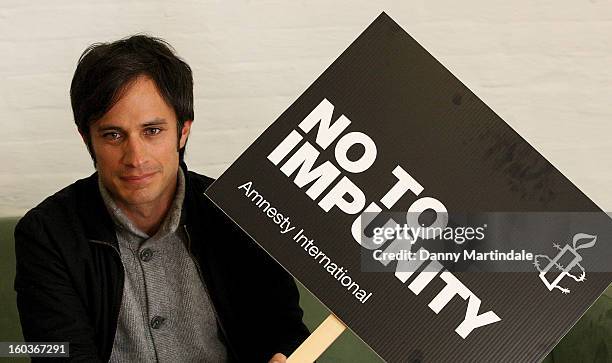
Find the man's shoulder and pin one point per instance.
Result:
(199, 181)
(62, 204)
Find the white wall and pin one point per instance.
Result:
(543, 66)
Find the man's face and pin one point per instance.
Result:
(135, 145)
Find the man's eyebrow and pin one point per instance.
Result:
(109, 127)
(156, 121)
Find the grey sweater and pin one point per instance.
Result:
(165, 314)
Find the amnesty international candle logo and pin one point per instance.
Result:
(588, 241)
(416, 214)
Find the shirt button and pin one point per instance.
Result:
(146, 254)
(157, 322)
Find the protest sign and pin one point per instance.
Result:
(336, 190)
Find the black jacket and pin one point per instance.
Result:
(69, 279)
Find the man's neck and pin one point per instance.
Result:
(148, 217)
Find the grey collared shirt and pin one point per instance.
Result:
(166, 314)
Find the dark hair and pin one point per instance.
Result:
(105, 70)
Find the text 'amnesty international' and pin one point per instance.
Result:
(308, 245)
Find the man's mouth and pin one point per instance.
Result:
(137, 178)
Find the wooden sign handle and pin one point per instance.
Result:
(320, 339)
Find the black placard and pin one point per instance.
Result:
(388, 128)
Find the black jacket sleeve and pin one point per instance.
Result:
(290, 331)
(49, 308)
(278, 303)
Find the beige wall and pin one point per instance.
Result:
(543, 66)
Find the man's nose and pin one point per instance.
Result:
(135, 153)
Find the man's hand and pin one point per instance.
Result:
(278, 358)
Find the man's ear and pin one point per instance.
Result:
(185, 133)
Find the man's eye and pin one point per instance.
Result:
(153, 131)
(112, 136)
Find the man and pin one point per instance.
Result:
(134, 263)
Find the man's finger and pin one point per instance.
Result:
(278, 358)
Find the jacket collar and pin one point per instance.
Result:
(97, 222)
